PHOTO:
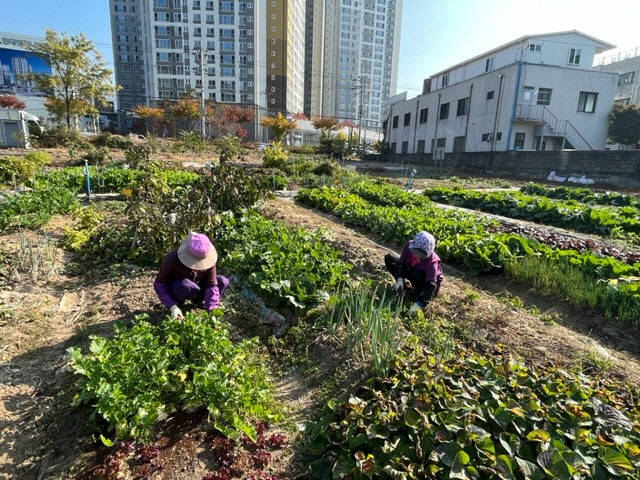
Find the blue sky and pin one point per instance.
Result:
(435, 33)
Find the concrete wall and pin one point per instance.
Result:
(617, 168)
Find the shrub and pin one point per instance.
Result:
(327, 168)
(137, 155)
(89, 219)
(275, 156)
(191, 142)
(148, 235)
(276, 182)
(303, 149)
(228, 146)
(107, 139)
(38, 158)
(16, 169)
(97, 155)
(58, 136)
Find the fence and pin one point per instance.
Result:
(617, 168)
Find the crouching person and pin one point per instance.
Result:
(420, 265)
(189, 273)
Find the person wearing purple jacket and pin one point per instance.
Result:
(419, 264)
(189, 272)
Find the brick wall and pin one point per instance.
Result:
(618, 168)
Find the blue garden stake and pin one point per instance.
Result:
(409, 184)
(87, 180)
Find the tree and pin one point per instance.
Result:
(324, 125)
(229, 119)
(11, 102)
(153, 114)
(187, 109)
(279, 126)
(79, 78)
(624, 124)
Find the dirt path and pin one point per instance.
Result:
(40, 317)
(578, 338)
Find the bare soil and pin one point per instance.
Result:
(42, 315)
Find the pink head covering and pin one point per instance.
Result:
(197, 252)
(422, 244)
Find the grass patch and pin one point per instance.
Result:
(571, 282)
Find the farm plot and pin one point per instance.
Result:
(580, 276)
(622, 221)
(323, 355)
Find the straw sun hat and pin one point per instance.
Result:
(197, 252)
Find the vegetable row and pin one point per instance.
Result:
(566, 214)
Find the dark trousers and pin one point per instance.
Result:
(424, 290)
(185, 289)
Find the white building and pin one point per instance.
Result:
(627, 65)
(353, 66)
(538, 92)
(250, 51)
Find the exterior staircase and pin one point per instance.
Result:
(552, 126)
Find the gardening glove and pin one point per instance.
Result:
(399, 286)
(176, 312)
(414, 309)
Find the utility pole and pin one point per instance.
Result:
(203, 118)
(359, 89)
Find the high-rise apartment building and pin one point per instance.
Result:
(252, 53)
(354, 62)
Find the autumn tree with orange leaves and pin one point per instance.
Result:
(186, 109)
(325, 125)
(151, 115)
(279, 126)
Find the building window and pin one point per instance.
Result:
(394, 145)
(420, 146)
(407, 120)
(626, 78)
(544, 96)
(488, 64)
(463, 106)
(518, 144)
(490, 94)
(405, 147)
(587, 102)
(499, 136)
(535, 47)
(424, 113)
(444, 81)
(395, 121)
(441, 143)
(444, 111)
(574, 56)
(486, 137)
